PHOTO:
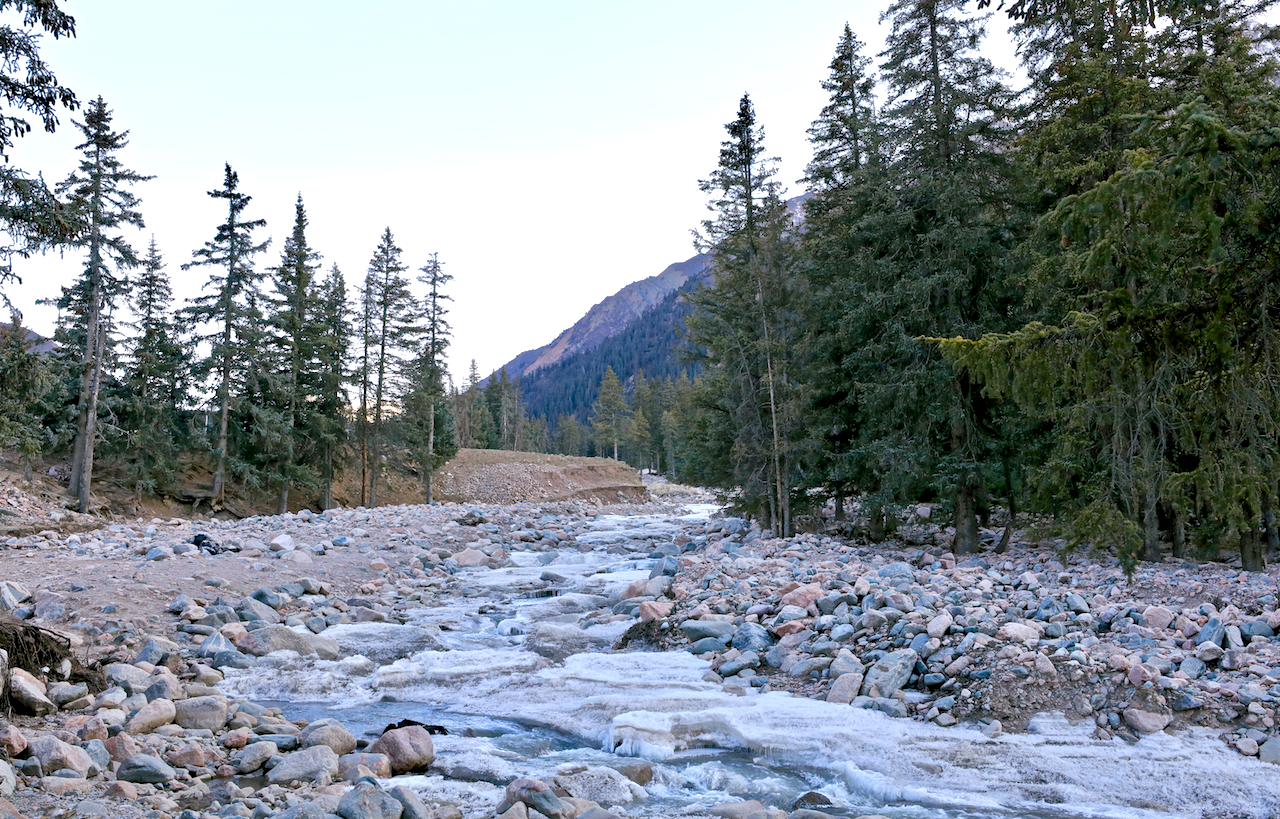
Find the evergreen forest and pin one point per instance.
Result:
(1044, 302)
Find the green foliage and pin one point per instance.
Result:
(609, 414)
(23, 374)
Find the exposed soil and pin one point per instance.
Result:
(497, 476)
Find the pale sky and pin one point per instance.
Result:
(548, 151)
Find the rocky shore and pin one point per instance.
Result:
(904, 628)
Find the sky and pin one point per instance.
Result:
(549, 151)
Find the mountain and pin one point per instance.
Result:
(610, 317)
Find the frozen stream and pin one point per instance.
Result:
(465, 664)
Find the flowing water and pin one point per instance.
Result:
(509, 714)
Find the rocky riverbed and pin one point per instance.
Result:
(639, 660)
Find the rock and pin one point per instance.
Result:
(254, 756)
(377, 764)
(63, 786)
(651, 610)
(470, 558)
(603, 785)
(28, 695)
(802, 597)
(752, 637)
(314, 764)
(61, 693)
(56, 755)
(1193, 667)
(697, 630)
(1269, 751)
(250, 609)
(536, 794)
(368, 801)
(889, 673)
(12, 741)
(409, 749)
(213, 644)
(845, 688)
(263, 641)
(8, 779)
(1019, 633)
(333, 735)
(412, 806)
(939, 625)
(1145, 722)
(1247, 746)
(151, 716)
(121, 790)
(122, 746)
(208, 712)
(1157, 617)
(1212, 632)
(738, 810)
(145, 768)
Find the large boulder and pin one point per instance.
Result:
(315, 764)
(274, 638)
(536, 794)
(409, 749)
(28, 694)
(603, 785)
(56, 755)
(145, 768)
(889, 673)
(368, 801)
(151, 716)
(328, 732)
(201, 712)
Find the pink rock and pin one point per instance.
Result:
(93, 729)
(651, 610)
(1157, 617)
(122, 790)
(56, 755)
(470, 558)
(12, 740)
(236, 739)
(803, 596)
(408, 749)
(635, 589)
(122, 746)
(151, 716)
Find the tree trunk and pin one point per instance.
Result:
(1151, 529)
(91, 429)
(429, 466)
(966, 539)
(1269, 521)
(1251, 557)
(840, 505)
(224, 410)
(1179, 535)
(326, 480)
(282, 504)
(875, 524)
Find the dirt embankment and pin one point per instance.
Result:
(501, 477)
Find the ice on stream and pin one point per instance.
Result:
(658, 707)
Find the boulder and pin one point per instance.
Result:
(145, 768)
(534, 793)
(255, 755)
(151, 716)
(1145, 722)
(889, 673)
(262, 641)
(201, 712)
(368, 801)
(28, 694)
(696, 630)
(603, 785)
(315, 764)
(331, 734)
(56, 755)
(409, 749)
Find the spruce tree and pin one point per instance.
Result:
(744, 323)
(233, 307)
(424, 406)
(392, 330)
(155, 382)
(23, 376)
(609, 413)
(294, 336)
(99, 190)
(329, 421)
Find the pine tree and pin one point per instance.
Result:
(155, 382)
(609, 413)
(744, 324)
(425, 406)
(31, 216)
(392, 330)
(233, 307)
(99, 190)
(295, 335)
(329, 421)
(23, 376)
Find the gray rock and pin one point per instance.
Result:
(899, 570)
(263, 641)
(368, 801)
(1077, 604)
(696, 630)
(145, 768)
(846, 665)
(603, 785)
(412, 805)
(255, 755)
(1192, 667)
(707, 644)
(201, 712)
(1212, 632)
(232, 659)
(250, 609)
(331, 733)
(752, 637)
(61, 693)
(1258, 628)
(1049, 607)
(308, 765)
(889, 673)
(152, 653)
(212, 644)
(1269, 751)
(164, 687)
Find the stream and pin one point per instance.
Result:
(463, 661)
